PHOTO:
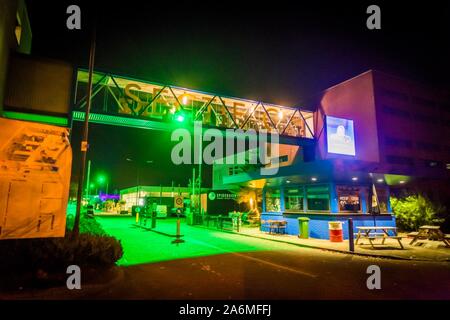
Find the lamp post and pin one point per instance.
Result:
(138, 193)
(84, 141)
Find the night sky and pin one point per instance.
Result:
(274, 52)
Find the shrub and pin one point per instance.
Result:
(56, 254)
(413, 211)
(29, 259)
(87, 224)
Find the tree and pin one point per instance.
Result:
(416, 210)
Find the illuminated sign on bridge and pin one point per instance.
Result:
(128, 102)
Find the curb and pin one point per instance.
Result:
(50, 293)
(333, 250)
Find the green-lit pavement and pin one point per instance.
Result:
(144, 246)
(218, 265)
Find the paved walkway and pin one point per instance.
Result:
(162, 249)
(424, 250)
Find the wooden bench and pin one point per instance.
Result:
(412, 234)
(398, 238)
(363, 235)
(430, 233)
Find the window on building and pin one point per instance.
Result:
(349, 198)
(427, 146)
(394, 95)
(273, 200)
(318, 197)
(396, 111)
(401, 143)
(400, 160)
(420, 117)
(293, 199)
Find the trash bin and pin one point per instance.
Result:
(303, 228)
(335, 228)
(90, 210)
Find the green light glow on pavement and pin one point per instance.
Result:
(142, 246)
(59, 121)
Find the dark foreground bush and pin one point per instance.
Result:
(54, 255)
(43, 262)
(87, 224)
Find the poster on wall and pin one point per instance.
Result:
(340, 136)
(35, 167)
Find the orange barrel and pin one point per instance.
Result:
(335, 228)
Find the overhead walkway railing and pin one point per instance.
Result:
(133, 100)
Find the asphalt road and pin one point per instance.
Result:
(284, 273)
(218, 265)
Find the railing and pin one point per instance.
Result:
(116, 95)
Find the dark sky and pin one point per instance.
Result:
(280, 52)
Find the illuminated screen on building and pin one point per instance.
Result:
(340, 136)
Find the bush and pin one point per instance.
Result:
(30, 259)
(87, 225)
(56, 254)
(413, 211)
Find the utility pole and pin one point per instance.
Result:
(84, 141)
(88, 185)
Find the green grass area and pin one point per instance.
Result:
(142, 246)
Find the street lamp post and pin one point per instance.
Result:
(84, 141)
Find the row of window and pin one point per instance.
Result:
(419, 117)
(419, 101)
(411, 162)
(408, 144)
(318, 198)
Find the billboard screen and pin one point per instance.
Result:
(340, 136)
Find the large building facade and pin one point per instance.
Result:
(372, 133)
(340, 155)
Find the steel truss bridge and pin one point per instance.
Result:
(123, 101)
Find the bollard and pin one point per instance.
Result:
(153, 219)
(137, 217)
(178, 235)
(351, 242)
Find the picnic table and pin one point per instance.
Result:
(430, 232)
(371, 233)
(276, 226)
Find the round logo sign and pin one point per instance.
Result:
(212, 196)
(179, 202)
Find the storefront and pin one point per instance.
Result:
(324, 202)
